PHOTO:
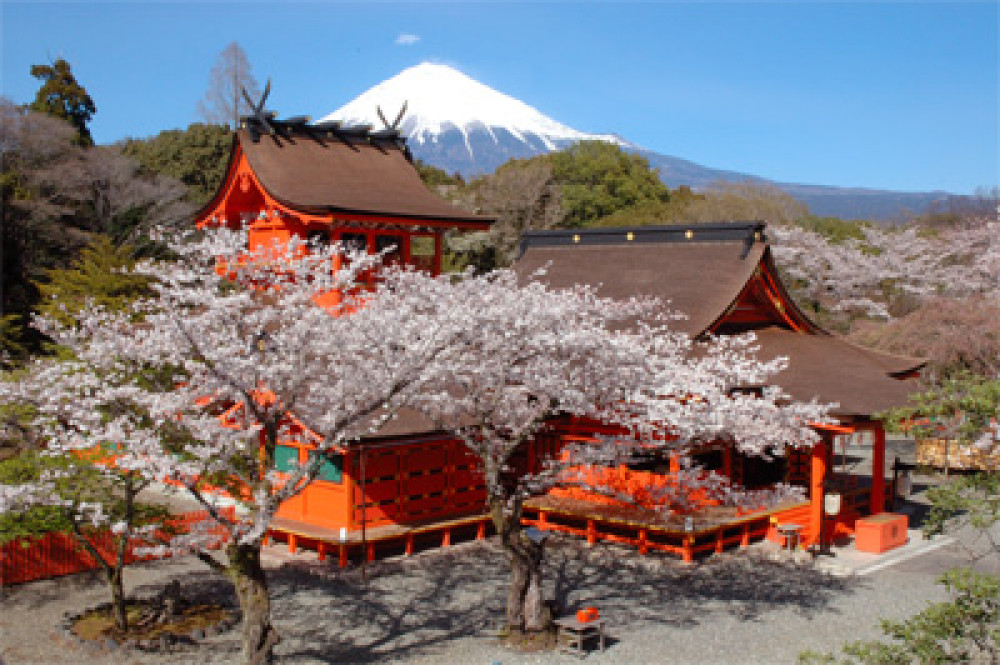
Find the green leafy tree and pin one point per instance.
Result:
(655, 211)
(62, 96)
(12, 348)
(196, 156)
(35, 521)
(834, 229)
(598, 178)
(966, 401)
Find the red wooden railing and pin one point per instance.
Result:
(55, 554)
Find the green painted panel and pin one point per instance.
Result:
(285, 458)
(332, 469)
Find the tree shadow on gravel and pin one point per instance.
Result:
(407, 605)
(34, 595)
(631, 589)
(411, 605)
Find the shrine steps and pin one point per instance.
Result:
(840, 527)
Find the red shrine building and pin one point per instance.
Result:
(723, 278)
(328, 183)
(409, 484)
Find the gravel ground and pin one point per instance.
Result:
(441, 606)
(438, 607)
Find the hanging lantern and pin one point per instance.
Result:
(832, 501)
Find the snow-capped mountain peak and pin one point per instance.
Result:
(441, 99)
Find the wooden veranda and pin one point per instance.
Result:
(388, 538)
(709, 530)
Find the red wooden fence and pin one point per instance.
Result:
(418, 483)
(55, 554)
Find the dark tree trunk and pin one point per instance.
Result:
(526, 608)
(259, 637)
(112, 572)
(114, 575)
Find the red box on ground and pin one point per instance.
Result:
(880, 533)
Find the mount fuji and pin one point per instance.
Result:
(456, 123)
(460, 125)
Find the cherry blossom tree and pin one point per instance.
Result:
(862, 274)
(79, 414)
(547, 353)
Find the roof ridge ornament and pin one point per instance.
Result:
(399, 116)
(259, 118)
(261, 121)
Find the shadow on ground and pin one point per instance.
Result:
(409, 606)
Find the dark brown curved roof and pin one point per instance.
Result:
(702, 274)
(830, 369)
(337, 173)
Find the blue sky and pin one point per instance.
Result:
(890, 95)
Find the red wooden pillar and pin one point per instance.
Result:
(405, 250)
(727, 461)
(816, 478)
(438, 251)
(878, 469)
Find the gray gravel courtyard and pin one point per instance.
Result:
(440, 606)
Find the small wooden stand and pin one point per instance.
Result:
(790, 533)
(572, 633)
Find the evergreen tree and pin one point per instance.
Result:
(197, 156)
(101, 275)
(434, 177)
(598, 178)
(63, 97)
(654, 211)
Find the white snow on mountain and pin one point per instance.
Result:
(440, 98)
